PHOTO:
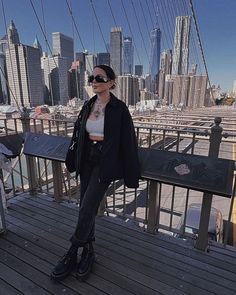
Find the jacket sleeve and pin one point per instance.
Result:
(129, 149)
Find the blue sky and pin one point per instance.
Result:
(216, 19)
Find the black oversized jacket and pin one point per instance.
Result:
(119, 153)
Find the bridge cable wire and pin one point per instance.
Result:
(132, 36)
(47, 48)
(100, 29)
(12, 72)
(77, 31)
(166, 23)
(200, 45)
(131, 32)
(150, 15)
(109, 4)
(137, 20)
(42, 30)
(193, 40)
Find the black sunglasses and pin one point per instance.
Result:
(98, 79)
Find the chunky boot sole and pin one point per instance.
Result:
(60, 277)
(84, 276)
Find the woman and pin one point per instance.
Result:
(106, 150)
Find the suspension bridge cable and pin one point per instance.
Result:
(144, 17)
(76, 70)
(8, 44)
(98, 23)
(127, 19)
(77, 31)
(150, 15)
(47, 48)
(193, 40)
(8, 85)
(109, 4)
(167, 25)
(161, 25)
(140, 31)
(200, 45)
(42, 30)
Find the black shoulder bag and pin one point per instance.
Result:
(71, 155)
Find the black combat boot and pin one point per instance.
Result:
(85, 265)
(65, 265)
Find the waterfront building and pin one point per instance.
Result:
(103, 58)
(155, 57)
(128, 56)
(181, 45)
(90, 62)
(138, 70)
(169, 82)
(24, 75)
(4, 93)
(197, 91)
(127, 89)
(180, 89)
(55, 71)
(141, 83)
(12, 33)
(165, 69)
(76, 80)
(38, 45)
(63, 46)
(193, 70)
(234, 88)
(116, 49)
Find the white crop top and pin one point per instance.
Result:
(95, 127)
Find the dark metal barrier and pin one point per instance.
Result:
(49, 147)
(200, 173)
(10, 147)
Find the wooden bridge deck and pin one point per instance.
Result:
(128, 261)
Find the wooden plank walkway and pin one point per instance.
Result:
(128, 261)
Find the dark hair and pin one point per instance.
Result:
(109, 72)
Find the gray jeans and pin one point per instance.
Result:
(92, 192)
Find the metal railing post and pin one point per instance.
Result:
(30, 161)
(57, 181)
(153, 207)
(215, 140)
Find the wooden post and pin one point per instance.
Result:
(30, 161)
(215, 140)
(153, 207)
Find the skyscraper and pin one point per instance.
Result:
(197, 91)
(38, 45)
(56, 79)
(3, 76)
(24, 75)
(63, 46)
(91, 62)
(155, 57)
(128, 55)
(103, 58)
(127, 89)
(116, 49)
(138, 70)
(165, 69)
(180, 89)
(181, 45)
(12, 33)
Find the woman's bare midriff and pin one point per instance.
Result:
(95, 138)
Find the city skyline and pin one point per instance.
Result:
(218, 41)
